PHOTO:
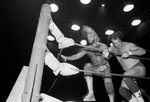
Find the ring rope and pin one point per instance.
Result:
(113, 74)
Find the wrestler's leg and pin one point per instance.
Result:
(132, 85)
(127, 95)
(109, 85)
(89, 81)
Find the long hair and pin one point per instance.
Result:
(85, 31)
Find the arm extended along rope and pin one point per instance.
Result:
(136, 57)
(131, 56)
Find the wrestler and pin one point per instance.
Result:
(129, 88)
(98, 63)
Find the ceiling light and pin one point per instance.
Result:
(85, 1)
(50, 38)
(111, 44)
(83, 42)
(136, 22)
(75, 27)
(128, 7)
(102, 5)
(54, 7)
(109, 32)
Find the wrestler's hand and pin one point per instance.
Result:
(105, 54)
(125, 55)
(64, 58)
(67, 42)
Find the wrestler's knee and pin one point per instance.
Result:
(125, 93)
(88, 66)
(109, 87)
(131, 84)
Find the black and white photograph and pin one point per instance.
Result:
(75, 50)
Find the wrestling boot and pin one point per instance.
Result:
(111, 97)
(133, 99)
(138, 96)
(89, 97)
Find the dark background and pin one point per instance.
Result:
(19, 19)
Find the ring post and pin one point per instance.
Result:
(32, 87)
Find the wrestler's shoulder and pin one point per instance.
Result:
(102, 44)
(128, 43)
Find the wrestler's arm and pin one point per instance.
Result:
(105, 51)
(136, 50)
(107, 55)
(75, 56)
(101, 48)
(92, 49)
(114, 51)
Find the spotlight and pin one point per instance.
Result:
(50, 38)
(136, 22)
(54, 7)
(83, 42)
(109, 32)
(85, 1)
(128, 7)
(75, 27)
(102, 5)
